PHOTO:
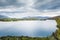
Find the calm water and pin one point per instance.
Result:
(28, 28)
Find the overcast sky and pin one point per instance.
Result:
(22, 8)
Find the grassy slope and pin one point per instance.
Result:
(58, 26)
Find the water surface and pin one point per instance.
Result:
(28, 28)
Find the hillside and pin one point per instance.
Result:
(3, 18)
(53, 18)
(25, 38)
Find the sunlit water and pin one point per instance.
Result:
(28, 28)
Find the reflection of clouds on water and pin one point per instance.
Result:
(28, 28)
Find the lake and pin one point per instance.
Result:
(28, 28)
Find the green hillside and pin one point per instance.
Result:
(18, 19)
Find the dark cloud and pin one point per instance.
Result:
(39, 4)
(11, 12)
(47, 4)
(5, 3)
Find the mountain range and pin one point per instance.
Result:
(32, 17)
(36, 17)
(40, 17)
(3, 16)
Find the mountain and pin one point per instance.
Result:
(57, 16)
(3, 16)
(53, 18)
(36, 17)
(42, 17)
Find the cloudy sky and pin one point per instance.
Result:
(23, 8)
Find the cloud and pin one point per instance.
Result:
(47, 4)
(22, 8)
(7, 3)
(37, 4)
(30, 13)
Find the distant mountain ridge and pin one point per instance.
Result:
(38, 17)
(3, 16)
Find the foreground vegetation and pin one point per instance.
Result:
(57, 33)
(54, 36)
(26, 38)
(22, 38)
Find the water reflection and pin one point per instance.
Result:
(28, 28)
